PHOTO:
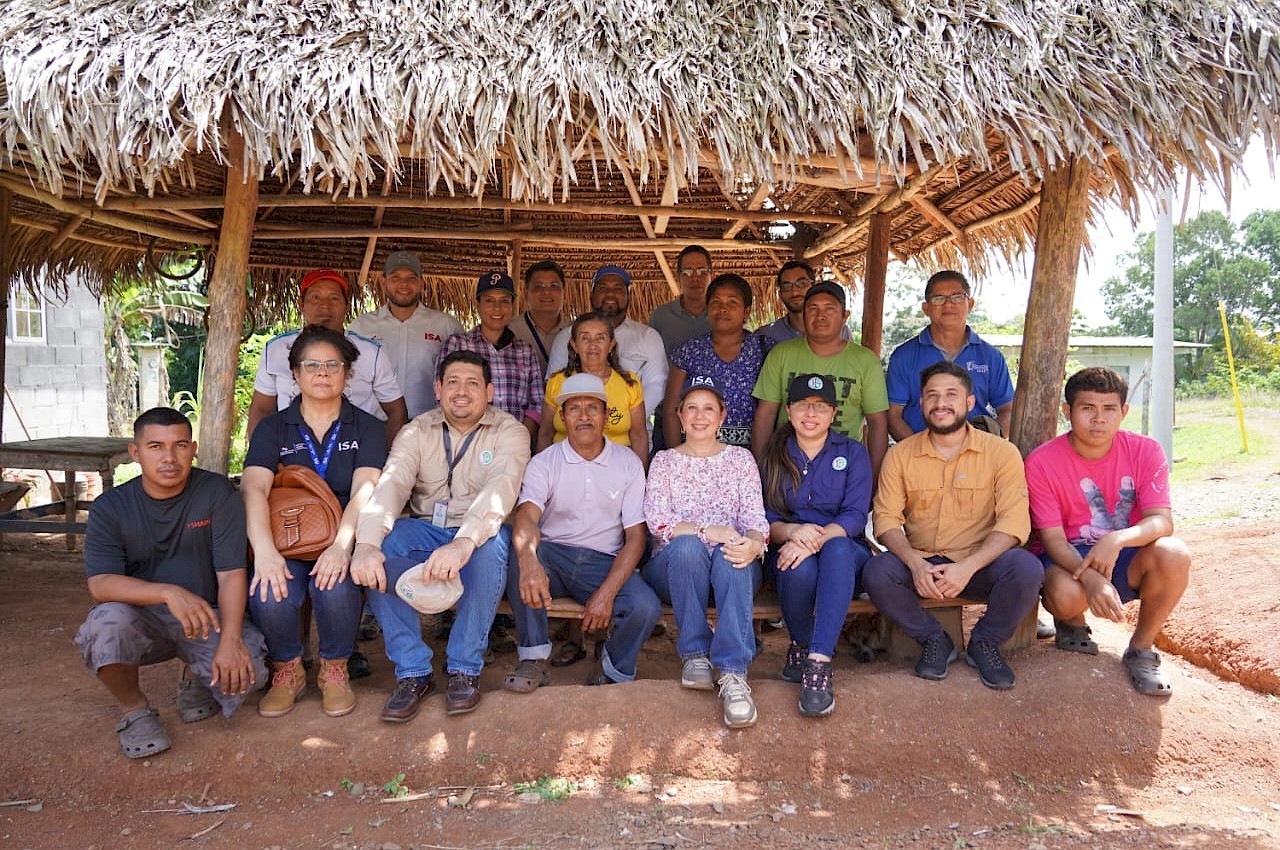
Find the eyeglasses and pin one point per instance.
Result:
(953, 298)
(554, 286)
(312, 367)
(802, 283)
(811, 407)
(692, 272)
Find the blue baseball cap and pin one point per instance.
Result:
(490, 281)
(605, 271)
(701, 382)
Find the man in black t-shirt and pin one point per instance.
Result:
(165, 561)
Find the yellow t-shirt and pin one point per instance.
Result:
(623, 398)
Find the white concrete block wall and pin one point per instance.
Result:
(58, 387)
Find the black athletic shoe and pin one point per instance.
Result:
(793, 669)
(817, 697)
(991, 666)
(935, 655)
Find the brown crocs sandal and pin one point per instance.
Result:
(570, 653)
(528, 676)
(142, 734)
(1145, 673)
(1073, 638)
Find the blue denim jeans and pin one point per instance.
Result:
(1010, 585)
(578, 572)
(411, 542)
(337, 612)
(687, 578)
(815, 595)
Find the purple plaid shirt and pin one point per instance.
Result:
(518, 382)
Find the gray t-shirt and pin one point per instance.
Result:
(183, 540)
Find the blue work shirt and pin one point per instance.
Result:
(362, 442)
(992, 386)
(835, 488)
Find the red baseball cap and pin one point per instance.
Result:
(323, 274)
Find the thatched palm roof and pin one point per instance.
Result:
(482, 133)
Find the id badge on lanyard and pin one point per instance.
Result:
(440, 510)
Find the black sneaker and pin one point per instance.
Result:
(358, 666)
(991, 666)
(793, 669)
(935, 655)
(817, 697)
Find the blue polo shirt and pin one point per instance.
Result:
(834, 487)
(361, 441)
(992, 386)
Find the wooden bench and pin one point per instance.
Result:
(899, 647)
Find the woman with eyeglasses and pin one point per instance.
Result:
(730, 354)
(347, 447)
(817, 491)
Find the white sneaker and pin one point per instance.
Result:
(735, 695)
(696, 674)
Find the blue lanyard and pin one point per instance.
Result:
(448, 453)
(321, 465)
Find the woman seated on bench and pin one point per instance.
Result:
(704, 509)
(817, 491)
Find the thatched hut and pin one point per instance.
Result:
(278, 137)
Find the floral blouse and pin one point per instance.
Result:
(723, 489)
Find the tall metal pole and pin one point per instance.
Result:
(1161, 392)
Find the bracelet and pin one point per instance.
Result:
(702, 533)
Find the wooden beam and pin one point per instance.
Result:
(758, 198)
(23, 221)
(472, 204)
(64, 232)
(927, 208)
(873, 282)
(672, 285)
(669, 197)
(1064, 207)
(991, 220)
(862, 215)
(529, 237)
(367, 261)
(227, 299)
(111, 219)
(6, 281)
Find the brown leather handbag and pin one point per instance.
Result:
(304, 513)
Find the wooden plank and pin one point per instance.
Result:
(6, 276)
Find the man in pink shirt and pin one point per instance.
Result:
(1100, 502)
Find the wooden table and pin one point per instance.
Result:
(71, 455)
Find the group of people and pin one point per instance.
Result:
(627, 466)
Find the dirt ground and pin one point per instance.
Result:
(1071, 757)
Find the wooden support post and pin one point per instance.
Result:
(6, 275)
(227, 299)
(1064, 204)
(873, 281)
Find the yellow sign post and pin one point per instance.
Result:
(1235, 386)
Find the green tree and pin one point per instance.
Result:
(1211, 263)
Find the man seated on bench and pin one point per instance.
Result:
(1100, 501)
(580, 532)
(165, 558)
(952, 511)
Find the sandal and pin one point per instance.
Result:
(1145, 673)
(1073, 638)
(528, 676)
(570, 653)
(196, 701)
(142, 734)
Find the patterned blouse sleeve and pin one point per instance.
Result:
(751, 496)
(658, 510)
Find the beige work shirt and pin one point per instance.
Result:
(948, 507)
(486, 480)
